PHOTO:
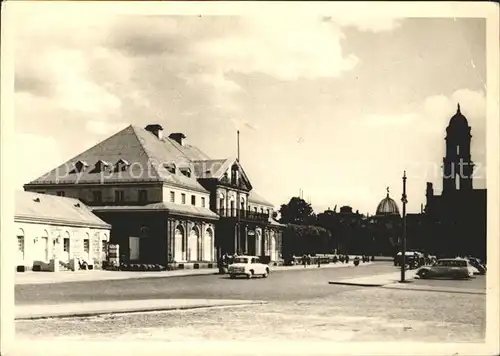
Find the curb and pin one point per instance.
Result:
(132, 310)
(200, 273)
(438, 290)
(356, 284)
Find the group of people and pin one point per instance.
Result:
(225, 261)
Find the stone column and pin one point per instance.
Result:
(246, 238)
(186, 240)
(236, 242)
(169, 238)
(201, 256)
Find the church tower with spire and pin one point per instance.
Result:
(457, 164)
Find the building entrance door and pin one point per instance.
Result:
(252, 251)
(134, 244)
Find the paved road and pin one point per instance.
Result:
(311, 282)
(346, 314)
(301, 306)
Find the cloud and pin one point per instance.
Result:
(33, 155)
(282, 47)
(371, 24)
(415, 141)
(380, 120)
(109, 68)
(104, 127)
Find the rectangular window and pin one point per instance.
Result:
(172, 197)
(20, 244)
(104, 246)
(61, 193)
(183, 198)
(193, 200)
(66, 245)
(119, 196)
(86, 245)
(97, 196)
(202, 202)
(143, 196)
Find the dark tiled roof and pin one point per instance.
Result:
(53, 209)
(191, 152)
(213, 168)
(147, 156)
(145, 153)
(166, 206)
(253, 197)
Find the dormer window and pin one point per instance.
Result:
(81, 166)
(186, 171)
(170, 167)
(102, 165)
(122, 165)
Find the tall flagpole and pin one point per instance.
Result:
(238, 223)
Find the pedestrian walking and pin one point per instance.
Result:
(304, 260)
(319, 261)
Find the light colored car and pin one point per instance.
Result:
(447, 268)
(248, 266)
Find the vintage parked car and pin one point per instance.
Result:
(478, 265)
(447, 268)
(410, 258)
(248, 266)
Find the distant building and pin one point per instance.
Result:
(166, 200)
(386, 226)
(457, 218)
(51, 227)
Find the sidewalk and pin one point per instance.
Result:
(101, 275)
(378, 280)
(29, 312)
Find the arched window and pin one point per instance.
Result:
(144, 232)
(273, 246)
(193, 244)
(179, 245)
(208, 245)
(222, 202)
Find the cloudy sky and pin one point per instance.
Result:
(334, 107)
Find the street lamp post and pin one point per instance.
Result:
(403, 252)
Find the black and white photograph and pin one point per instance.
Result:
(222, 176)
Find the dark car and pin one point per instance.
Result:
(411, 257)
(476, 263)
(456, 268)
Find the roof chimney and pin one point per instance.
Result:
(156, 130)
(178, 137)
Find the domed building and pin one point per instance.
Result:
(386, 227)
(387, 207)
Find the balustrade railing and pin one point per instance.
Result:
(243, 214)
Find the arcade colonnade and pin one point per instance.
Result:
(191, 241)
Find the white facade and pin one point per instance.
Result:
(38, 243)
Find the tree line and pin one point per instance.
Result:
(327, 232)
